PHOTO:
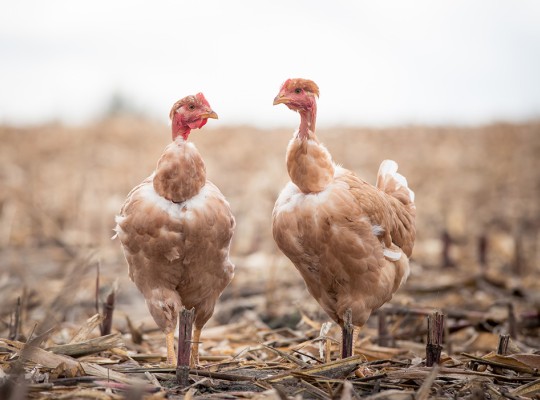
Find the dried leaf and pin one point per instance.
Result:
(107, 373)
(63, 370)
(425, 389)
(336, 369)
(374, 352)
(44, 357)
(314, 391)
(524, 362)
(190, 394)
(288, 357)
(90, 346)
(483, 341)
(392, 395)
(90, 394)
(528, 390)
(449, 373)
(270, 394)
(71, 366)
(85, 331)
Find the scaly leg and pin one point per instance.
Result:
(355, 334)
(327, 351)
(361, 371)
(195, 347)
(171, 355)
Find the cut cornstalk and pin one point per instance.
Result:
(184, 346)
(347, 335)
(434, 339)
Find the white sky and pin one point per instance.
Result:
(376, 62)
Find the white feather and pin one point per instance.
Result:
(177, 210)
(118, 229)
(292, 197)
(392, 255)
(377, 230)
(390, 167)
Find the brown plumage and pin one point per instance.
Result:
(349, 240)
(176, 228)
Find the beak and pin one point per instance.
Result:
(209, 114)
(281, 99)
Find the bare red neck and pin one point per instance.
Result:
(308, 118)
(179, 128)
(181, 132)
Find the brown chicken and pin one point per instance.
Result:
(176, 229)
(350, 241)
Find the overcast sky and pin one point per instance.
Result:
(376, 62)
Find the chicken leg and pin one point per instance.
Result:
(171, 355)
(328, 350)
(195, 348)
(356, 334)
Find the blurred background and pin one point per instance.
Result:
(448, 89)
(377, 63)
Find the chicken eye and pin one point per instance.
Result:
(191, 107)
(297, 90)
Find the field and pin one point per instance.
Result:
(476, 260)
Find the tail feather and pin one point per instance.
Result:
(401, 229)
(393, 183)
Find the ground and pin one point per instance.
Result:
(476, 188)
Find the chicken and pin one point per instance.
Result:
(350, 241)
(176, 229)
